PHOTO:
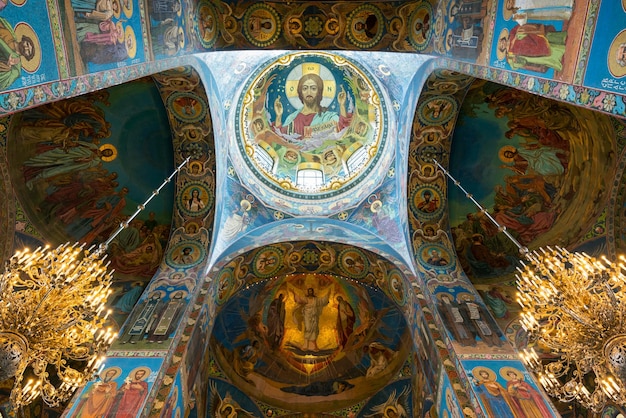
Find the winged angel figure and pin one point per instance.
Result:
(225, 407)
(394, 407)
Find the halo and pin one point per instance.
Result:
(184, 292)
(615, 69)
(291, 84)
(118, 372)
(442, 294)
(195, 189)
(506, 12)
(129, 35)
(507, 369)
(376, 206)
(161, 293)
(144, 368)
(119, 8)
(196, 164)
(181, 38)
(333, 31)
(504, 158)
(461, 295)
(245, 204)
(120, 31)
(420, 14)
(451, 17)
(499, 54)
(476, 370)
(24, 29)
(127, 7)
(190, 224)
(331, 150)
(283, 151)
(424, 166)
(112, 148)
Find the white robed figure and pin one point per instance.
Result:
(308, 314)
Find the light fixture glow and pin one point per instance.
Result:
(574, 308)
(52, 317)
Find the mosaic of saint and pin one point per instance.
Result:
(308, 340)
(311, 124)
(529, 172)
(77, 178)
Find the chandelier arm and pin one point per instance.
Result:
(34, 312)
(575, 305)
(102, 248)
(610, 292)
(577, 317)
(52, 317)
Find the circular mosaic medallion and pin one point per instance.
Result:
(617, 55)
(353, 263)
(267, 262)
(187, 107)
(206, 24)
(261, 25)
(195, 199)
(449, 41)
(365, 26)
(185, 254)
(397, 290)
(130, 40)
(426, 202)
(435, 256)
(437, 110)
(127, 8)
(420, 30)
(312, 125)
(225, 283)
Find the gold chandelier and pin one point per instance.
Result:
(52, 317)
(574, 309)
(574, 306)
(52, 321)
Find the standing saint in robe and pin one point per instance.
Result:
(132, 394)
(98, 399)
(276, 321)
(166, 318)
(345, 320)
(310, 310)
(495, 398)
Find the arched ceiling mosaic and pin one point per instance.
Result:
(311, 326)
(312, 127)
(80, 165)
(542, 168)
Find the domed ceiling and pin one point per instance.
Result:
(312, 127)
(313, 146)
